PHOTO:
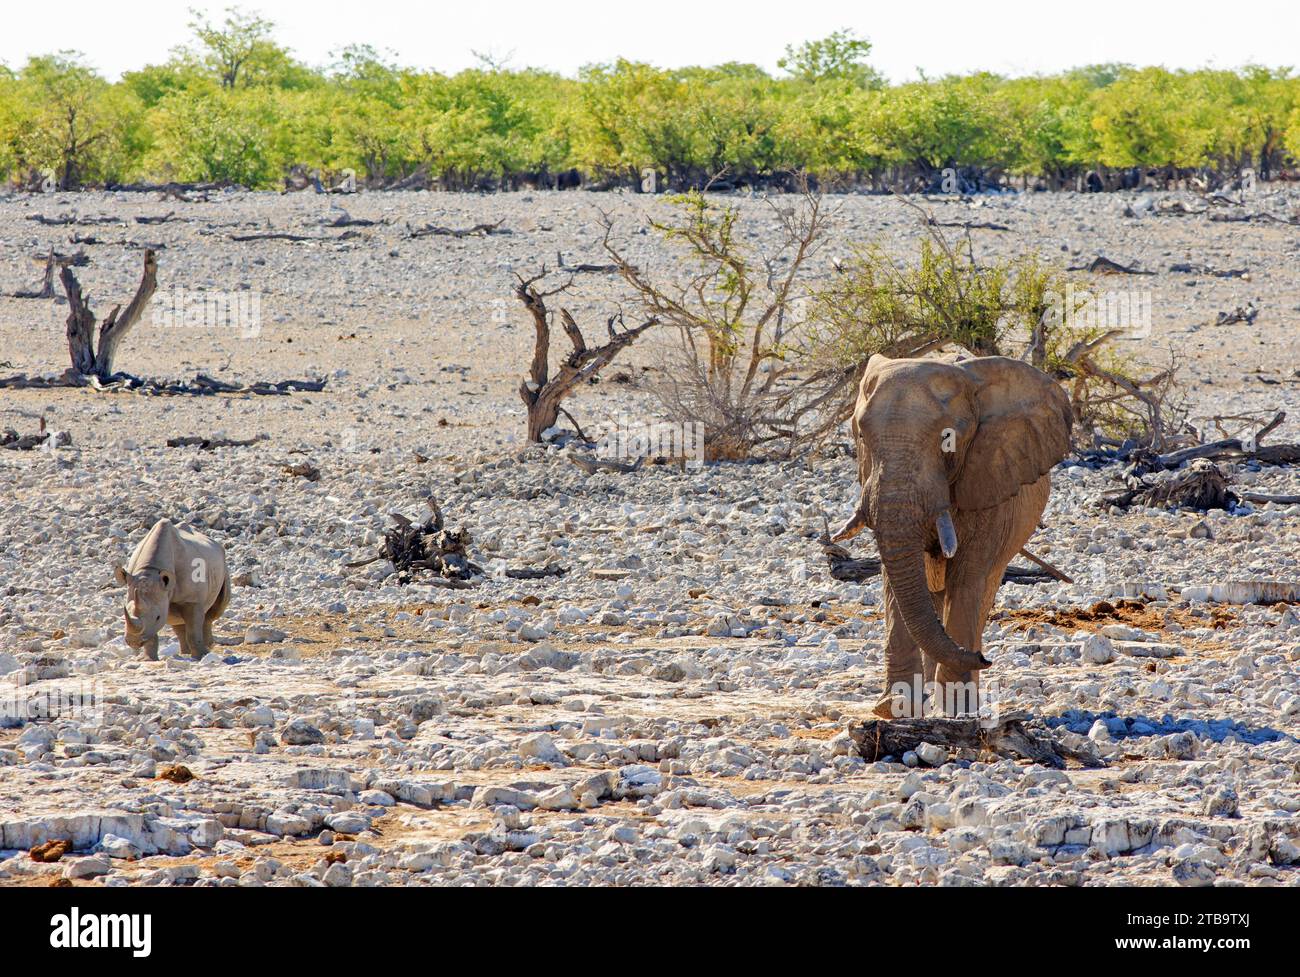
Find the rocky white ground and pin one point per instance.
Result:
(674, 709)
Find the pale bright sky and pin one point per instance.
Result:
(1008, 36)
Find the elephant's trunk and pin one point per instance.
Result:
(904, 568)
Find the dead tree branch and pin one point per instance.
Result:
(483, 230)
(87, 359)
(1011, 736)
(542, 393)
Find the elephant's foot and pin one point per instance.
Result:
(897, 706)
(955, 694)
(903, 696)
(888, 707)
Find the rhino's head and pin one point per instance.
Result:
(148, 596)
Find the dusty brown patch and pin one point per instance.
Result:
(177, 773)
(320, 634)
(1131, 612)
(51, 851)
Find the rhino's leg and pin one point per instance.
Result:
(151, 648)
(215, 611)
(182, 638)
(195, 631)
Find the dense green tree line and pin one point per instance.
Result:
(236, 107)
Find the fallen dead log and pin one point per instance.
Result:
(536, 573)
(76, 238)
(63, 220)
(124, 382)
(1171, 208)
(211, 444)
(204, 383)
(1231, 449)
(1226, 449)
(432, 230)
(1012, 736)
(583, 267)
(1262, 216)
(289, 236)
(13, 441)
(1276, 454)
(1191, 269)
(78, 259)
(969, 225)
(1043, 565)
(1261, 498)
(166, 188)
(848, 568)
(347, 220)
(844, 566)
(591, 465)
(1104, 266)
(155, 219)
(1243, 313)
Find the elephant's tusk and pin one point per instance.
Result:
(856, 523)
(947, 533)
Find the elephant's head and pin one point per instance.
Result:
(933, 436)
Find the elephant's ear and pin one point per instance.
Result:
(860, 519)
(1023, 423)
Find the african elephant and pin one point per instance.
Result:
(953, 460)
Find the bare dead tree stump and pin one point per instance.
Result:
(430, 546)
(52, 261)
(89, 359)
(46, 291)
(542, 393)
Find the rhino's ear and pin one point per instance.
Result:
(121, 576)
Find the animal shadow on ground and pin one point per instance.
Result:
(1135, 727)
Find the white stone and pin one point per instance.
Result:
(88, 867)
